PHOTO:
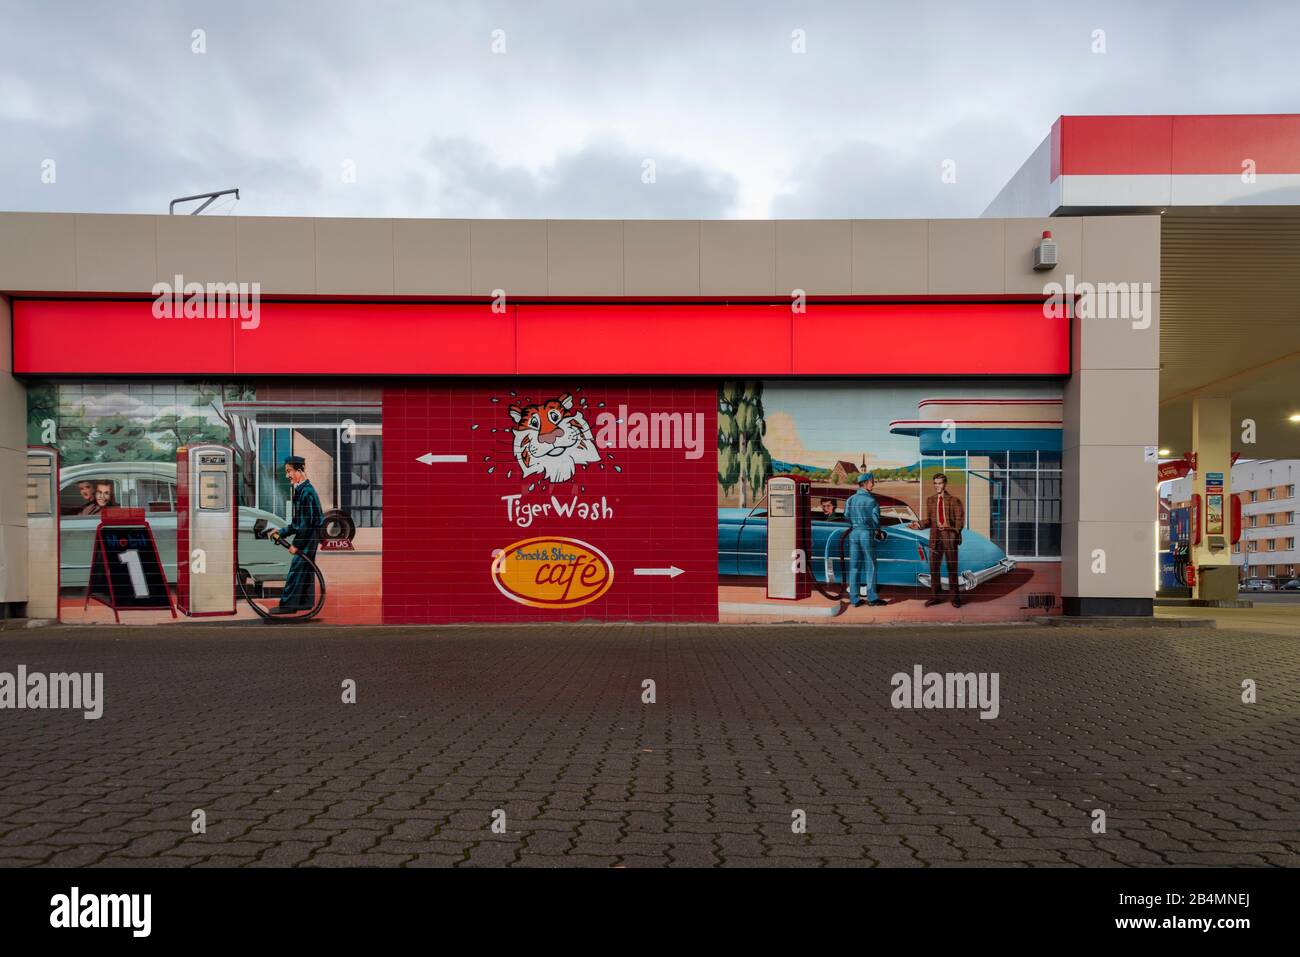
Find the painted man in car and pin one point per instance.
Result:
(944, 517)
(300, 586)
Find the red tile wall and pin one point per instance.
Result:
(443, 521)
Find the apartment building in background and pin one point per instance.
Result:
(1269, 506)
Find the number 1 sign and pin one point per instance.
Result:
(125, 571)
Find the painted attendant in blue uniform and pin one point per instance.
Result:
(300, 586)
(863, 513)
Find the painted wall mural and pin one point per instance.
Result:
(960, 518)
(594, 499)
(117, 444)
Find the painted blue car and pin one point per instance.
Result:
(903, 558)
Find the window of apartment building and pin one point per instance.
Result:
(1290, 491)
(1236, 548)
(1268, 545)
(1252, 545)
(1254, 497)
(1272, 518)
(1290, 518)
(1253, 520)
(1290, 544)
(1272, 493)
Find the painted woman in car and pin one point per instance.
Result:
(103, 499)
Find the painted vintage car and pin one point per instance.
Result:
(903, 558)
(152, 487)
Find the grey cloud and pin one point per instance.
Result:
(105, 167)
(872, 180)
(594, 182)
(558, 127)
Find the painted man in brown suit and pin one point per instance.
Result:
(944, 517)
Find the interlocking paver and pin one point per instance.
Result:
(546, 723)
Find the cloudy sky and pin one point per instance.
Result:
(560, 119)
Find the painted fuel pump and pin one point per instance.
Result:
(789, 537)
(42, 533)
(206, 530)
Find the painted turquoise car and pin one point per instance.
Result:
(902, 559)
(152, 487)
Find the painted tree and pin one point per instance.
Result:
(171, 431)
(743, 461)
(42, 407)
(214, 397)
(105, 438)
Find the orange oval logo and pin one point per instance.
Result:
(551, 572)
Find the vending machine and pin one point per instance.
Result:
(42, 533)
(789, 537)
(207, 527)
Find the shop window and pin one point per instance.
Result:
(1019, 509)
(361, 488)
(273, 446)
(1021, 513)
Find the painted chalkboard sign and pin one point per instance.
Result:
(125, 571)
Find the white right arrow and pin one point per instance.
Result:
(672, 571)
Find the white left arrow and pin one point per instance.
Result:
(672, 571)
(428, 458)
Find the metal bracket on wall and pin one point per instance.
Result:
(210, 197)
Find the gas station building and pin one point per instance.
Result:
(533, 420)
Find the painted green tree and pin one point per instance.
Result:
(214, 398)
(743, 461)
(42, 413)
(105, 438)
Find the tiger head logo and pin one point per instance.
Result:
(552, 438)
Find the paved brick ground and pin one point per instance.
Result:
(750, 724)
